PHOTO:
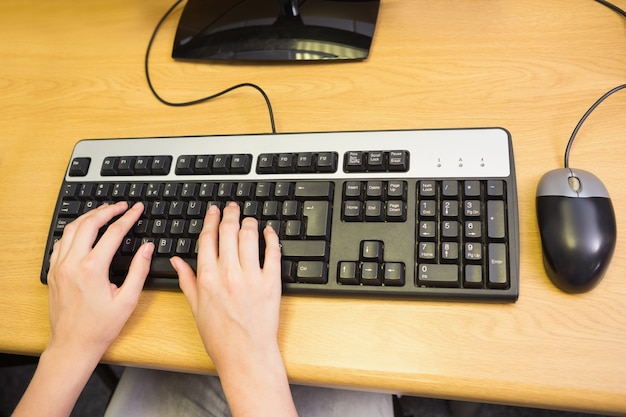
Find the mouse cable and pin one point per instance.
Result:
(612, 7)
(204, 99)
(600, 100)
(585, 116)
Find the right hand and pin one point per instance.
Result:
(235, 302)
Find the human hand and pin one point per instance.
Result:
(236, 305)
(87, 311)
(235, 302)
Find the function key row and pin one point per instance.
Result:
(304, 162)
(267, 163)
(136, 165)
(213, 164)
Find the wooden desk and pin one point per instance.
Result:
(73, 70)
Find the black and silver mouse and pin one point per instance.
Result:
(577, 227)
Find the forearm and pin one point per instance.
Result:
(58, 381)
(257, 385)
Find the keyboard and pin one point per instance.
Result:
(414, 214)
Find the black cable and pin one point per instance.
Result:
(612, 7)
(585, 116)
(600, 100)
(204, 99)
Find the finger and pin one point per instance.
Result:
(229, 234)
(249, 243)
(187, 281)
(113, 236)
(207, 241)
(272, 264)
(80, 234)
(55, 253)
(137, 274)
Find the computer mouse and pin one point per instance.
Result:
(577, 227)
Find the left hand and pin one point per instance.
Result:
(87, 311)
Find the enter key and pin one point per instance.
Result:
(318, 219)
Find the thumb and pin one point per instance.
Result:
(186, 281)
(137, 274)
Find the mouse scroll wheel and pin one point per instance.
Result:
(574, 184)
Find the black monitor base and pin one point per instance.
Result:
(276, 30)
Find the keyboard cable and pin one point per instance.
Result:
(612, 7)
(203, 99)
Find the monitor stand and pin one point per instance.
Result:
(276, 30)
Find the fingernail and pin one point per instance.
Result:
(214, 209)
(148, 250)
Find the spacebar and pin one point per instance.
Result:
(159, 267)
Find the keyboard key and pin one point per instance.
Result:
(70, 208)
(317, 215)
(185, 165)
(161, 165)
(354, 162)
(126, 165)
(472, 188)
(288, 271)
(109, 166)
(428, 208)
(374, 190)
(371, 274)
(143, 165)
(438, 275)
(374, 211)
(305, 162)
(348, 273)
(398, 161)
(396, 190)
(473, 276)
(353, 190)
(327, 162)
(450, 251)
(309, 189)
(498, 267)
(283, 191)
(495, 220)
(70, 190)
(450, 188)
(376, 161)
(393, 274)
(495, 188)
(240, 164)
(312, 272)
(427, 188)
(79, 167)
(352, 211)
(286, 163)
(266, 164)
(372, 250)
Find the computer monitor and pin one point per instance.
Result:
(276, 30)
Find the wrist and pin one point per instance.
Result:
(257, 385)
(60, 377)
(70, 358)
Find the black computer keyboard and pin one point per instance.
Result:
(392, 214)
